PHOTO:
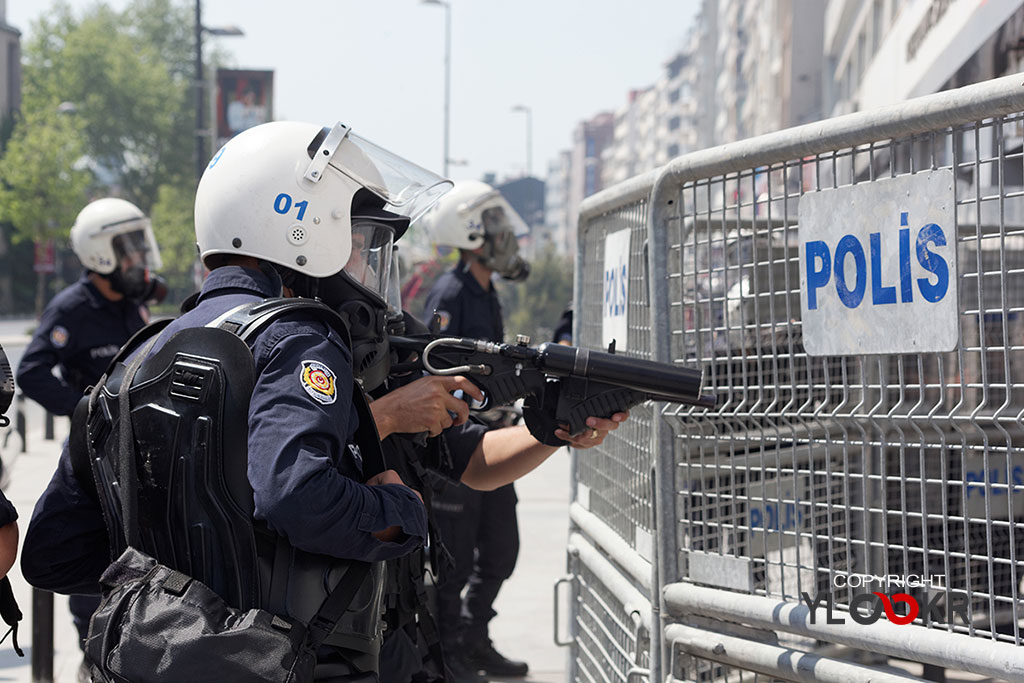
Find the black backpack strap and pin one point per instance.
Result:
(126, 449)
(334, 605)
(10, 612)
(249, 319)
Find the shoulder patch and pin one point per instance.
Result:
(445, 319)
(319, 381)
(59, 336)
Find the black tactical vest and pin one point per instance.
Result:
(189, 404)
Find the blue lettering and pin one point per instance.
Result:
(816, 277)
(607, 293)
(879, 294)
(756, 518)
(623, 284)
(1018, 475)
(906, 282)
(851, 298)
(932, 262)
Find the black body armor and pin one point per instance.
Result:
(189, 405)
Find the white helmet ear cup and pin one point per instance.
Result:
(96, 226)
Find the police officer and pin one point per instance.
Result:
(283, 199)
(480, 529)
(85, 325)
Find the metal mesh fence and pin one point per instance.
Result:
(814, 471)
(606, 636)
(617, 473)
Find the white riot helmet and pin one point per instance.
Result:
(114, 238)
(475, 215)
(284, 192)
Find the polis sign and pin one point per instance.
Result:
(878, 267)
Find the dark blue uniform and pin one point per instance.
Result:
(79, 332)
(306, 482)
(484, 521)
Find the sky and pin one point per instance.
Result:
(378, 66)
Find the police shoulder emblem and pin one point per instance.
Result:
(318, 381)
(444, 319)
(59, 336)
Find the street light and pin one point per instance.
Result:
(529, 136)
(447, 72)
(200, 111)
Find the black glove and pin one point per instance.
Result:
(539, 414)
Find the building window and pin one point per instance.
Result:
(673, 123)
(673, 96)
(673, 151)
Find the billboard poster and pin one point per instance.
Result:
(244, 99)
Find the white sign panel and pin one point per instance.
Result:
(878, 267)
(616, 288)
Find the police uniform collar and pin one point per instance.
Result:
(263, 282)
(463, 272)
(94, 296)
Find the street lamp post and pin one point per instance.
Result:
(447, 74)
(529, 136)
(201, 157)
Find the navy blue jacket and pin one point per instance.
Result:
(79, 332)
(466, 309)
(306, 482)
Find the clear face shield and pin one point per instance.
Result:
(407, 189)
(136, 254)
(369, 264)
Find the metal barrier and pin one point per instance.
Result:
(840, 466)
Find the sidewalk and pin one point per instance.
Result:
(30, 473)
(523, 628)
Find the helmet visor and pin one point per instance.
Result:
(369, 264)
(136, 249)
(408, 189)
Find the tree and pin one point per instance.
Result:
(125, 75)
(535, 306)
(173, 221)
(42, 184)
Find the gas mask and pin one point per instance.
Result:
(500, 251)
(131, 275)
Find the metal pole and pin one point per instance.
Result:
(777, 661)
(915, 643)
(21, 423)
(48, 426)
(662, 212)
(42, 636)
(200, 118)
(447, 81)
(529, 142)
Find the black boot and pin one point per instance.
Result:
(482, 655)
(460, 670)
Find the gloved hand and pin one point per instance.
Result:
(539, 415)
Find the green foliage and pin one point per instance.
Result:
(173, 225)
(535, 306)
(126, 75)
(42, 188)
